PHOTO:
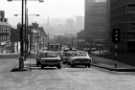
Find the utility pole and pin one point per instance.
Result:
(21, 58)
(26, 30)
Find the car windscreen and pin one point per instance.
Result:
(48, 54)
(76, 54)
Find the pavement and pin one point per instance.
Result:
(11, 55)
(112, 65)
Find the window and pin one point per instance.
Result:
(131, 47)
(131, 35)
(131, 5)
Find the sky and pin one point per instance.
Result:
(51, 8)
(62, 9)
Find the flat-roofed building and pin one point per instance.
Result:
(123, 18)
(5, 32)
(97, 23)
(5, 28)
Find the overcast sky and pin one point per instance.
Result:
(51, 8)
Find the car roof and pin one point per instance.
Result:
(48, 51)
(76, 51)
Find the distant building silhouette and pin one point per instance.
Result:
(79, 23)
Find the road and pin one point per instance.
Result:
(64, 79)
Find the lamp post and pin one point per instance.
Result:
(21, 58)
(23, 34)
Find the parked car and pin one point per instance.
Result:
(66, 55)
(78, 58)
(48, 58)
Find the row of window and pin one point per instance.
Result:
(123, 10)
(131, 35)
(131, 47)
(4, 38)
(131, 5)
(4, 29)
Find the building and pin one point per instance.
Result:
(4, 28)
(5, 32)
(38, 37)
(2, 14)
(96, 29)
(79, 23)
(123, 18)
(42, 38)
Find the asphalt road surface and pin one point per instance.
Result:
(63, 79)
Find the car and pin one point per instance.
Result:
(65, 56)
(48, 58)
(78, 58)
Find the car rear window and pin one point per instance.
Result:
(48, 54)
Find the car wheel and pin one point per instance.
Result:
(63, 62)
(59, 66)
(72, 65)
(89, 65)
(37, 63)
(42, 67)
(68, 63)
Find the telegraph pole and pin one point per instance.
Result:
(26, 29)
(21, 58)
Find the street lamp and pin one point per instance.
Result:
(22, 33)
(28, 15)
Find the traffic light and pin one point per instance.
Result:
(116, 35)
